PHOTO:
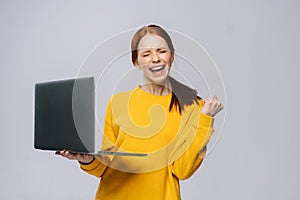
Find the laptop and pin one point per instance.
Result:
(64, 117)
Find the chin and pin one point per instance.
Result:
(159, 80)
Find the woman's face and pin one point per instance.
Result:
(154, 58)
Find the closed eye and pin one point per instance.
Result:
(162, 51)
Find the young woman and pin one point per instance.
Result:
(162, 118)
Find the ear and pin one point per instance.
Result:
(172, 58)
(136, 65)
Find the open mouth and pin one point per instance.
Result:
(157, 68)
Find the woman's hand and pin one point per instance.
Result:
(84, 158)
(211, 106)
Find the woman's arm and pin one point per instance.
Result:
(191, 159)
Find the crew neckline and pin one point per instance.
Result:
(152, 95)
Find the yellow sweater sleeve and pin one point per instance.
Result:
(190, 160)
(97, 167)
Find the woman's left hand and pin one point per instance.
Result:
(211, 106)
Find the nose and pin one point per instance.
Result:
(155, 58)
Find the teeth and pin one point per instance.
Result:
(156, 68)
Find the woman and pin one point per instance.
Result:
(163, 118)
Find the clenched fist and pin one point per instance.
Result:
(211, 106)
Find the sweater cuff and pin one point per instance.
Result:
(205, 120)
(87, 163)
(89, 166)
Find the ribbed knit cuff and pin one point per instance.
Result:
(82, 163)
(89, 166)
(205, 120)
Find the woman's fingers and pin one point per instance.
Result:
(211, 106)
(67, 154)
(85, 158)
(75, 156)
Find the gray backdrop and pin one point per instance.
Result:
(255, 44)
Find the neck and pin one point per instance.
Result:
(158, 89)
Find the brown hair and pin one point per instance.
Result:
(182, 95)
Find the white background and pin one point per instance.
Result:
(255, 44)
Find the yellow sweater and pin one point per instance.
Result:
(137, 121)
